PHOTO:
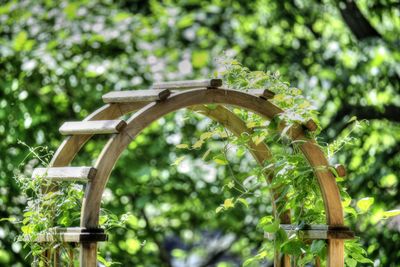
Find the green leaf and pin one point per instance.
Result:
(204, 157)
(292, 247)
(182, 146)
(198, 144)
(219, 209)
(178, 161)
(351, 262)
(71, 10)
(103, 261)
(248, 262)
(206, 135)
(271, 227)
(365, 203)
(244, 202)
(11, 219)
(20, 40)
(121, 16)
(231, 184)
(220, 160)
(185, 21)
(391, 213)
(317, 246)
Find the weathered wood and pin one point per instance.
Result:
(72, 144)
(88, 254)
(90, 235)
(72, 235)
(335, 253)
(154, 111)
(83, 174)
(92, 127)
(319, 231)
(136, 96)
(71, 256)
(57, 257)
(189, 84)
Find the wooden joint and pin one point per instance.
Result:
(73, 235)
(267, 94)
(340, 170)
(310, 125)
(322, 232)
(164, 94)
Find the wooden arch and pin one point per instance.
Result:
(153, 104)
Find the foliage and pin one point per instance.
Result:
(52, 205)
(57, 59)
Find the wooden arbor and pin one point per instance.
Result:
(150, 105)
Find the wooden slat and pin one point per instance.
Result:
(320, 231)
(92, 127)
(82, 174)
(136, 96)
(72, 235)
(189, 84)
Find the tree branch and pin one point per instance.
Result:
(356, 21)
(389, 112)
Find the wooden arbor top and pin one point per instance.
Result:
(150, 105)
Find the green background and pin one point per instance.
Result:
(58, 58)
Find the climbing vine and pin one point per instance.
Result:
(292, 181)
(51, 205)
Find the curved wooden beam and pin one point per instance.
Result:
(154, 111)
(260, 152)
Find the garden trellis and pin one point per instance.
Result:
(147, 106)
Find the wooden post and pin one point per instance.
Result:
(335, 253)
(88, 254)
(57, 257)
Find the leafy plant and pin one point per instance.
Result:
(293, 186)
(51, 205)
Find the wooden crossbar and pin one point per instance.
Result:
(81, 174)
(318, 231)
(189, 84)
(72, 235)
(136, 96)
(92, 127)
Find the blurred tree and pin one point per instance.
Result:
(58, 58)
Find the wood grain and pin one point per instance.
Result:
(92, 127)
(136, 96)
(82, 174)
(189, 84)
